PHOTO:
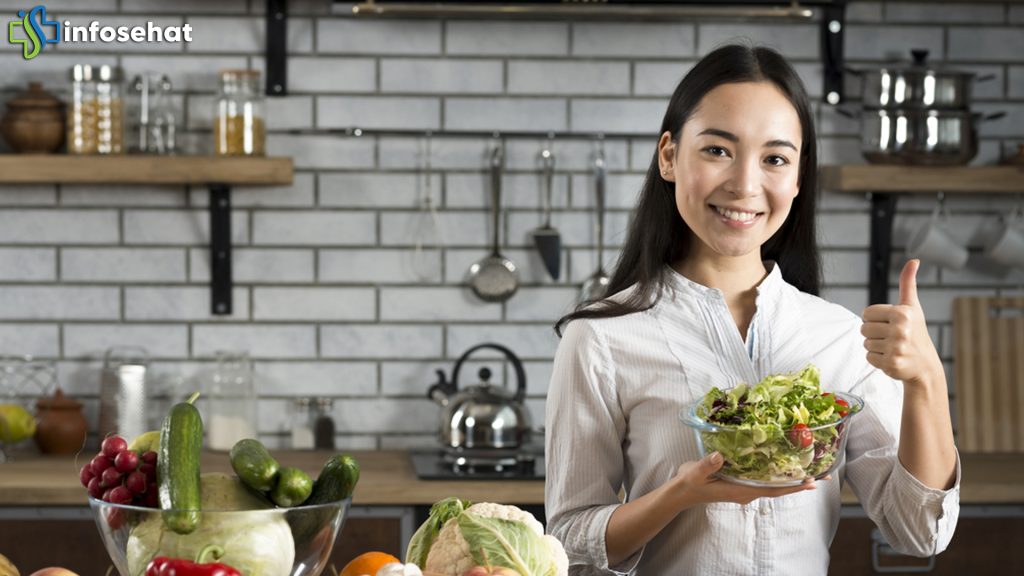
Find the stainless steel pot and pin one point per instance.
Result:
(483, 416)
(925, 137)
(917, 85)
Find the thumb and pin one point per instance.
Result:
(908, 283)
(711, 463)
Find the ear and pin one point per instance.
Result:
(667, 157)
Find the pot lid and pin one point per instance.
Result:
(34, 97)
(919, 64)
(58, 402)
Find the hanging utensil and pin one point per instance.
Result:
(546, 238)
(596, 285)
(427, 229)
(494, 278)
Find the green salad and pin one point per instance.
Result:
(782, 429)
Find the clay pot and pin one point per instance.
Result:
(62, 427)
(34, 123)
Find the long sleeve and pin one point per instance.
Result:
(915, 519)
(585, 428)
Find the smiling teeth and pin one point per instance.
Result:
(736, 216)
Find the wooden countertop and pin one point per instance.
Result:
(388, 478)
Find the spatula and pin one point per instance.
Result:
(546, 237)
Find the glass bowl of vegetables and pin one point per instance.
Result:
(779, 432)
(235, 528)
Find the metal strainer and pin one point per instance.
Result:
(494, 278)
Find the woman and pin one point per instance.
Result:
(716, 285)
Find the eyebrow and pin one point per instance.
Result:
(733, 138)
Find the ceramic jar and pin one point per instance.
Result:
(34, 123)
(61, 427)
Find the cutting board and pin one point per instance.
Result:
(988, 362)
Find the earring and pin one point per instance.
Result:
(666, 171)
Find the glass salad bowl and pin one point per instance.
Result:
(769, 455)
(262, 542)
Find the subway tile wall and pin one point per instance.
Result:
(332, 297)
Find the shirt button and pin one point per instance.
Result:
(766, 508)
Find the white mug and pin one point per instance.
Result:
(933, 245)
(1007, 246)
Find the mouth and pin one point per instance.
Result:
(735, 216)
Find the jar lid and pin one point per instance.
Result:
(34, 97)
(110, 73)
(58, 402)
(81, 73)
(89, 73)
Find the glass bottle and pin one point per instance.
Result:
(302, 427)
(81, 115)
(323, 424)
(231, 409)
(109, 110)
(238, 128)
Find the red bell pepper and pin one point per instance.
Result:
(163, 566)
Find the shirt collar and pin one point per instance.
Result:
(770, 286)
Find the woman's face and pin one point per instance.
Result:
(736, 168)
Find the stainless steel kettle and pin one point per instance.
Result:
(483, 416)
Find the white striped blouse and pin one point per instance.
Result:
(612, 422)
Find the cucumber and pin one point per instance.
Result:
(181, 439)
(337, 480)
(254, 465)
(293, 487)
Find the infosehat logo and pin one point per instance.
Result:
(33, 36)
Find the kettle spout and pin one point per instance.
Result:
(442, 390)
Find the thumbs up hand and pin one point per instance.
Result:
(896, 336)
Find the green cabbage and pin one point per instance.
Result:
(508, 543)
(423, 539)
(255, 542)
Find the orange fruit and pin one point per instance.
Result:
(367, 563)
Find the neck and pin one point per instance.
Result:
(736, 277)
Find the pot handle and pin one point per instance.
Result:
(517, 365)
(984, 77)
(981, 117)
(854, 114)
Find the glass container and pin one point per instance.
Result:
(95, 115)
(302, 425)
(238, 128)
(153, 114)
(230, 401)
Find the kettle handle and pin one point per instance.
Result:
(517, 365)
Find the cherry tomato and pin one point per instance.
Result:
(842, 402)
(800, 436)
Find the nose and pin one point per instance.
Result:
(745, 178)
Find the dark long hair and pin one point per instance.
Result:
(657, 233)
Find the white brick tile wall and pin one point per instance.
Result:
(520, 114)
(376, 189)
(567, 77)
(1015, 82)
(437, 304)
(1012, 125)
(316, 378)
(786, 38)
(618, 40)
(445, 153)
(39, 340)
(191, 73)
(28, 264)
(517, 190)
(380, 341)
(583, 263)
(575, 154)
(542, 304)
(533, 341)
(314, 304)
(245, 35)
(378, 112)
(952, 13)
(870, 42)
(61, 7)
(378, 266)
(437, 76)
(58, 227)
(507, 38)
(185, 6)
(161, 340)
(843, 230)
(413, 378)
(299, 194)
(325, 229)
(1016, 15)
(280, 266)
(844, 267)
(347, 74)
(323, 151)
(262, 341)
(180, 304)
(59, 303)
(575, 228)
(621, 190)
(122, 265)
(122, 195)
(864, 12)
(615, 115)
(30, 195)
(460, 228)
(385, 415)
(658, 78)
(189, 227)
(345, 36)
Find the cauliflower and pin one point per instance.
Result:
(486, 534)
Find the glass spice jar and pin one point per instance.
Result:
(95, 116)
(238, 128)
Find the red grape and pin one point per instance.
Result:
(113, 445)
(126, 461)
(136, 482)
(85, 475)
(99, 463)
(106, 495)
(149, 470)
(120, 495)
(152, 496)
(95, 489)
(110, 478)
(149, 457)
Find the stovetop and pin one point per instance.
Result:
(439, 465)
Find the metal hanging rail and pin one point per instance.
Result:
(576, 11)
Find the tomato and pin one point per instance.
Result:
(800, 436)
(842, 402)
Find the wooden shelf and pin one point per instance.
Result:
(861, 178)
(127, 169)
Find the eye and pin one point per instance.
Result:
(776, 160)
(716, 151)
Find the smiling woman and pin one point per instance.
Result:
(717, 286)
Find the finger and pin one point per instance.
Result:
(908, 283)
(710, 464)
(879, 346)
(875, 330)
(875, 359)
(877, 313)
